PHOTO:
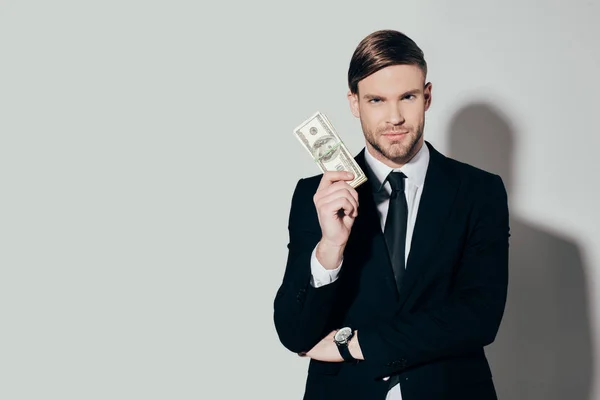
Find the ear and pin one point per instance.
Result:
(427, 95)
(353, 101)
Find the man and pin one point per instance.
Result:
(394, 289)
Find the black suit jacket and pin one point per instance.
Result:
(433, 331)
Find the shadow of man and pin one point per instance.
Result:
(543, 350)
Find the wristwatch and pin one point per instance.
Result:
(341, 339)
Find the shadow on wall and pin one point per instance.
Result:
(543, 350)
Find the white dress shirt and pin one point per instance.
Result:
(377, 172)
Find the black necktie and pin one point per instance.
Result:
(395, 234)
(395, 225)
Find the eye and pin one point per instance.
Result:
(375, 100)
(410, 97)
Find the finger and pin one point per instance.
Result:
(334, 187)
(340, 203)
(330, 177)
(341, 194)
(338, 189)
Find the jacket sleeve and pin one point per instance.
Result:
(470, 319)
(301, 311)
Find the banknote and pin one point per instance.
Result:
(320, 139)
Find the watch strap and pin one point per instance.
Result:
(345, 353)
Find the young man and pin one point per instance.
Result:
(394, 289)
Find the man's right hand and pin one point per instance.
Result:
(337, 207)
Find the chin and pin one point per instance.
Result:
(398, 157)
(395, 151)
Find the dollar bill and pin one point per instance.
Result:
(320, 139)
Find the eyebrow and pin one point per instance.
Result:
(373, 96)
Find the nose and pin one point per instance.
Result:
(395, 115)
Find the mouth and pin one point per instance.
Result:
(395, 135)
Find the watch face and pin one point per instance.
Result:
(343, 334)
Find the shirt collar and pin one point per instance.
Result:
(415, 170)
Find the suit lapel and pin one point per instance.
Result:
(441, 185)
(440, 188)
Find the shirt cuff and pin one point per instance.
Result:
(320, 276)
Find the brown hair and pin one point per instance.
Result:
(379, 50)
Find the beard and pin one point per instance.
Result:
(400, 151)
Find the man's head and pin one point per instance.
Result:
(388, 93)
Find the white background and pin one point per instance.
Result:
(147, 163)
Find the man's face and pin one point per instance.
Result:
(391, 105)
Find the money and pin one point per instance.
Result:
(320, 139)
